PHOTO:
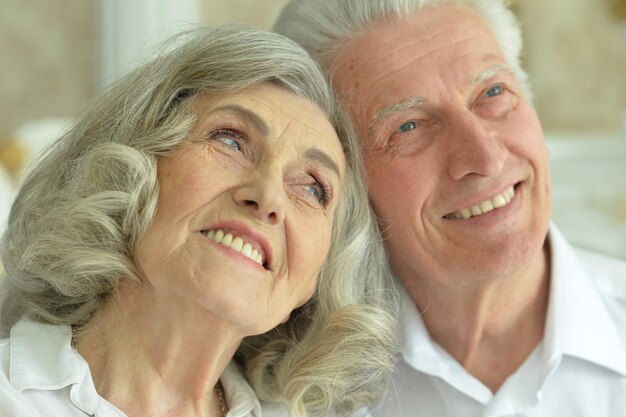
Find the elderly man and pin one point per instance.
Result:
(502, 316)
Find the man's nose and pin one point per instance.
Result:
(474, 150)
(263, 196)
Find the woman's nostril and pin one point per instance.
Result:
(252, 203)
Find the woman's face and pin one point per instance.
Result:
(245, 208)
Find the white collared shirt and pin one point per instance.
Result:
(579, 369)
(42, 376)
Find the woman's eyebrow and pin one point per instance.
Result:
(311, 154)
(248, 115)
(322, 157)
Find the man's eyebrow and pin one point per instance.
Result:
(317, 155)
(384, 111)
(489, 72)
(248, 115)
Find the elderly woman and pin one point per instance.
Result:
(203, 220)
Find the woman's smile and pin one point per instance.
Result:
(244, 245)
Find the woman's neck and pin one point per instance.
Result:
(157, 357)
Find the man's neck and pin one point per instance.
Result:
(490, 327)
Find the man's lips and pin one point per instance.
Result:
(497, 201)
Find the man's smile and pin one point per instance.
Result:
(495, 202)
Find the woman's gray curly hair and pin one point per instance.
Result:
(80, 213)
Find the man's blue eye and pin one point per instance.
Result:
(407, 127)
(494, 91)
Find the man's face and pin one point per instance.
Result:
(454, 153)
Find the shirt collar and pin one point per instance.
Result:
(241, 398)
(422, 353)
(42, 358)
(578, 323)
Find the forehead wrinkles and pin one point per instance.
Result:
(306, 127)
(308, 122)
(396, 48)
(291, 120)
(400, 45)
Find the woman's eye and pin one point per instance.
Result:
(228, 137)
(408, 126)
(232, 143)
(496, 90)
(317, 191)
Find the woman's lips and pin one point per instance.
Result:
(250, 249)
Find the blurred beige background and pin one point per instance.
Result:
(55, 54)
(575, 54)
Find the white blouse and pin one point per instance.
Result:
(41, 375)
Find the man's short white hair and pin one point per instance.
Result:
(323, 27)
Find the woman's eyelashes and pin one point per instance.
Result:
(319, 190)
(228, 137)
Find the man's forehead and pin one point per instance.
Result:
(383, 61)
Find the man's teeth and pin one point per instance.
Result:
(235, 243)
(486, 206)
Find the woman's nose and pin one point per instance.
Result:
(263, 197)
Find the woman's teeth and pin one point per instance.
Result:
(236, 243)
(486, 206)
